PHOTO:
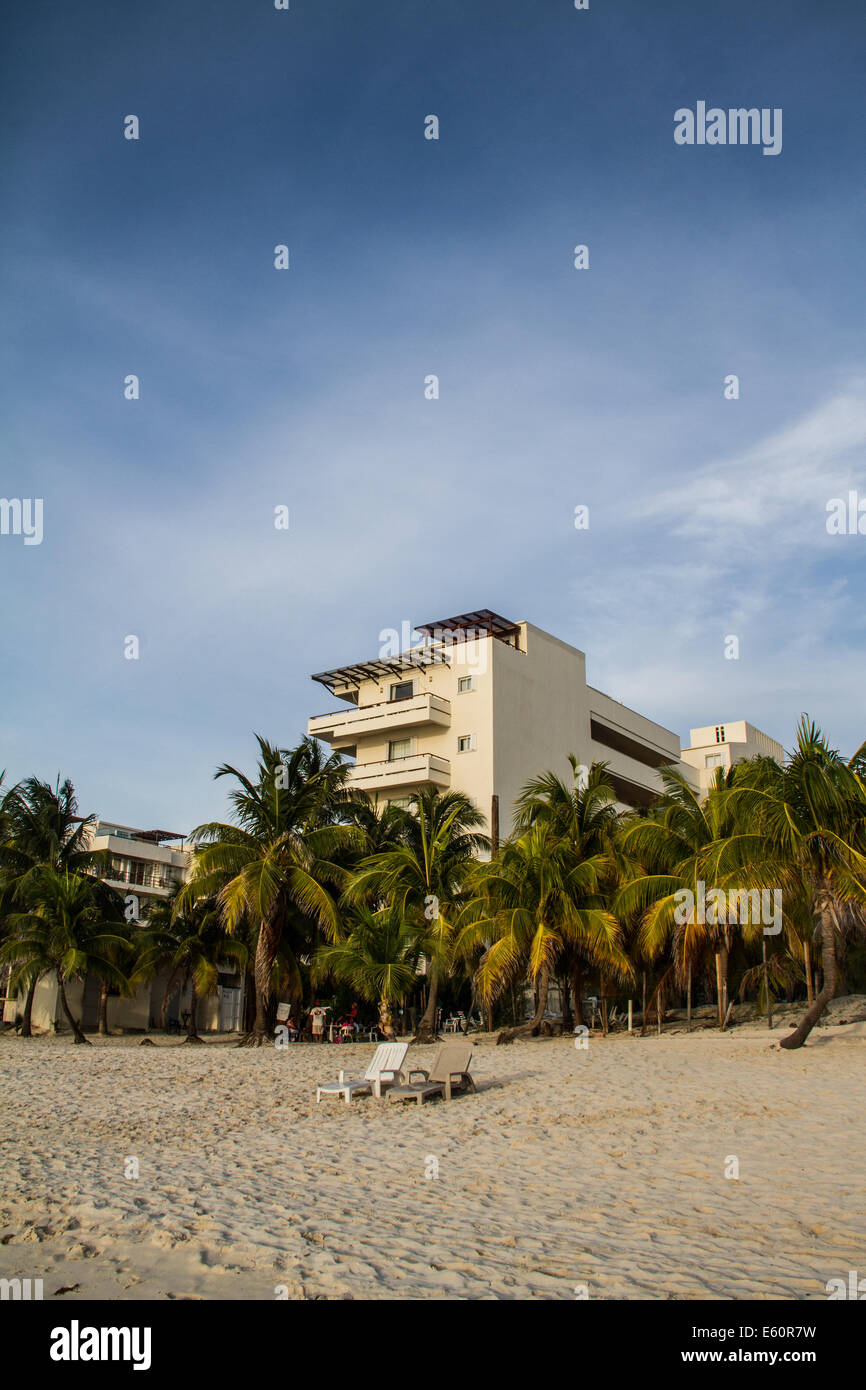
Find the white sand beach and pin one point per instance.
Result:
(602, 1167)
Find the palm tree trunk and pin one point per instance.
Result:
(828, 962)
(266, 953)
(807, 962)
(77, 1034)
(386, 1019)
(102, 1016)
(532, 1028)
(166, 998)
(192, 1024)
(577, 989)
(567, 1014)
(26, 1017)
(689, 1000)
(722, 982)
(427, 1027)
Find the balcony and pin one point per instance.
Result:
(345, 727)
(420, 769)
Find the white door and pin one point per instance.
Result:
(230, 1010)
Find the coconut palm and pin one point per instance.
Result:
(538, 900)
(67, 927)
(678, 846)
(377, 958)
(271, 866)
(807, 827)
(190, 942)
(26, 951)
(584, 814)
(423, 880)
(40, 827)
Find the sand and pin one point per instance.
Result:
(602, 1168)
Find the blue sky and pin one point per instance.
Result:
(409, 257)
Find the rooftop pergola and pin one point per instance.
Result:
(381, 668)
(468, 626)
(440, 636)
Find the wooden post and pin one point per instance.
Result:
(728, 1015)
(719, 987)
(807, 961)
(629, 1016)
(689, 1001)
(659, 1010)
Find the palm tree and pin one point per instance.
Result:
(271, 866)
(677, 847)
(536, 901)
(377, 958)
(40, 827)
(26, 951)
(423, 877)
(584, 814)
(191, 942)
(66, 926)
(807, 825)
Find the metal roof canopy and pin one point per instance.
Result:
(154, 836)
(482, 623)
(379, 668)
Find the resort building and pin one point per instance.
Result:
(723, 745)
(481, 704)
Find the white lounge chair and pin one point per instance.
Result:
(384, 1069)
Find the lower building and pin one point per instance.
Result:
(723, 745)
(144, 865)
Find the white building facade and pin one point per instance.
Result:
(482, 704)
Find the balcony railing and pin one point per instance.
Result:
(348, 725)
(411, 771)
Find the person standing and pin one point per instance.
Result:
(317, 1021)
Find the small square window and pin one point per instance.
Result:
(399, 748)
(465, 683)
(465, 743)
(402, 690)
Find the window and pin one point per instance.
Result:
(713, 760)
(720, 733)
(402, 690)
(464, 684)
(399, 748)
(402, 803)
(466, 743)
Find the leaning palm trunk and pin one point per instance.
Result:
(167, 997)
(828, 962)
(77, 1034)
(26, 1017)
(534, 1024)
(427, 1027)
